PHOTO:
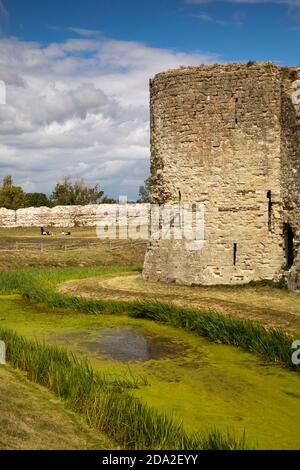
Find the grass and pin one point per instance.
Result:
(260, 302)
(23, 279)
(212, 385)
(12, 233)
(83, 248)
(107, 405)
(111, 408)
(33, 418)
(271, 344)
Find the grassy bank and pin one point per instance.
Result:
(265, 304)
(39, 286)
(44, 279)
(33, 418)
(108, 406)
(272, 345)
(213, 385)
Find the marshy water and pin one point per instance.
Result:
(124, 344)
(205, 384)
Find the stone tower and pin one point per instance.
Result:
(228, 137)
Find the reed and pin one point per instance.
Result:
(273, 345)
(108, 406)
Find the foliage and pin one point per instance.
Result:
(11, 196)
(65, 193)
(280, 283)
(80, 193)
(37, 200)
(108, 200)
(144, 191)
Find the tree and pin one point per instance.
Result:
(80, 193)
(144, 191)
(37, 200)
(11, 196)
(108, 200)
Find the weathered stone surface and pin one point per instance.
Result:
(70, 216)
(227, 136)
(7, 217)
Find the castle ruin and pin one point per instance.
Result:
(228, 136)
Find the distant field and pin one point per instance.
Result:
(26, 247)
(34, 232)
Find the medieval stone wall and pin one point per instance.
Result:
(7, 217)
(70, 216)
(216, 139)
(290, 174)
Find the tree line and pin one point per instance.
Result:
(65, 193)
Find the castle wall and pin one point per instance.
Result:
(7, 217)
(216, 140)
(70, 216)
(290, 174)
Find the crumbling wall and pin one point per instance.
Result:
(70, 216)
(7, 217)
(216, 140)
(290, 169)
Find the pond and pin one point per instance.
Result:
(203, 383)
(123, 344)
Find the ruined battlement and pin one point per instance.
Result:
(236, 67)
(228, 136)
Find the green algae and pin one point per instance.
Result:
(206, 384)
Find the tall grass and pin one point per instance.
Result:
(39, 286)
(108, 406)
(272, 344)
(17, 280)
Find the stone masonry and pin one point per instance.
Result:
(228, 136)
(83, 216)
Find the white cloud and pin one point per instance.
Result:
(80, 107)
(84, 32)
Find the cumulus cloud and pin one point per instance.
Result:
(80, 107)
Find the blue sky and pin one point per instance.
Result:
(77, 76)
(235, 30)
